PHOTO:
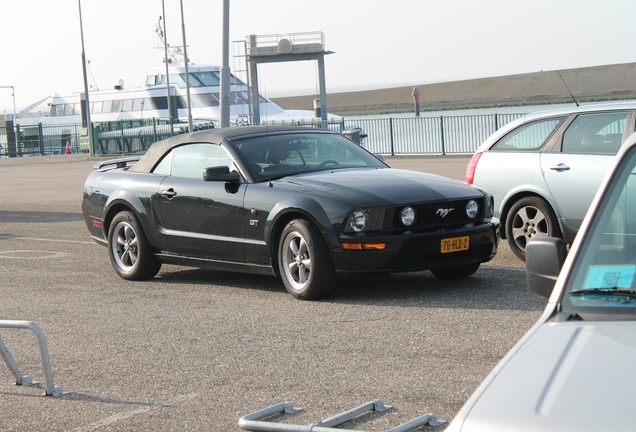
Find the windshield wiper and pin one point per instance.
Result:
(613, 291)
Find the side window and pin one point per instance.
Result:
(163, 167)
(596, 133)
(190, 160)
(528, 137)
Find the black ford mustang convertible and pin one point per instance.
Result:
(303, 204)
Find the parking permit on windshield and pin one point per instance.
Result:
(610, 277)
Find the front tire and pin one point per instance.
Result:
(128, 249)
(529, 217)
(304, 261)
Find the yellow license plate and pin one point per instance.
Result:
(455, 244)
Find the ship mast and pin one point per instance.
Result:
(161, 32)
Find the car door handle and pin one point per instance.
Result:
(560, 167)
(169, 193)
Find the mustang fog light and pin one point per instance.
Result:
(407, 216)
(472, 209)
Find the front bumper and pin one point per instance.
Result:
(416, 251)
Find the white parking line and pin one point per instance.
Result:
(8, 237)
(31, 254)
(124, 415)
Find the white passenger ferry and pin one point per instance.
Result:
(151, 101)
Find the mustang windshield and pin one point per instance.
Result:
(604, 275)
(277, 156)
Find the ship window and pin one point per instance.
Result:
(57, 110)
(138, 104)
(69, 109)
(116, 106)
(108, 106)
(240, 97)
(127, 105)
(196, 102)
(194, 82)
(97, 107)
(178, 80)
(207, 99)
(234, 80)
(159, 103)
(151, 80)
(207, 78)
(147, 105)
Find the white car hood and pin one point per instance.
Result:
(575, 376)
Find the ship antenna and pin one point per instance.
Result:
(568, 89)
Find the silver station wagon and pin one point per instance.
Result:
(544, 168)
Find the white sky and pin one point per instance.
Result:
(377, 43)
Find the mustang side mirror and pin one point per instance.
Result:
(544, 259)
(220, 173)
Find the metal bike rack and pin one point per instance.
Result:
(24, 380)
(254, 421)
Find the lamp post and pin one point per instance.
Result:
(165, 53)
(187, 72)
(225, 68)
(87, 109)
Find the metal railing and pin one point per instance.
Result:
(25, 380)
(386, 136)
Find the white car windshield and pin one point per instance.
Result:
(605, 271)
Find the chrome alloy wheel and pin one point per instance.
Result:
(125, 246)
(296, 260)
(529, 222)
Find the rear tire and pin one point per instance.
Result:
(304, 261)
(456, 272)
(128, 249)
(529, 217)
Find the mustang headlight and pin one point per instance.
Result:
(407, 216)
(365, 220)
(472, 209)
(358, 221)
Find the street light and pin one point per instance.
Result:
(225, 68)
(87, 109)
(187, 72)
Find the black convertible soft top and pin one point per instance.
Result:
(214, 136)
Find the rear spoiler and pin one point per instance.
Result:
(116, 163)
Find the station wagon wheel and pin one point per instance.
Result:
(129, 250)
(529, 217)
(304, 262)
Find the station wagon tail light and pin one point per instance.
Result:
(471, 168)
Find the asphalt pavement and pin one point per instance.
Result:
(194, 350)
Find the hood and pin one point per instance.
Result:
(385, 186)
(564, 377)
